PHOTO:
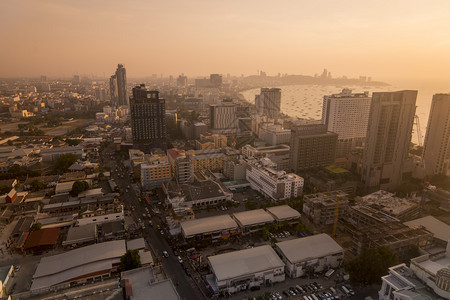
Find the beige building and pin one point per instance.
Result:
(388, 138)
(436, 152)
(155, 170)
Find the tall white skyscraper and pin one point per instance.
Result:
(347, 114)
(436, 151)
(268, 102)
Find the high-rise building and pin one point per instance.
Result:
(148, 124)
(347, 114)
(182, 81)
(121, 75)
(312, 146)
(113, 92)
(268, 102)
(216, 80)
(223, 116)
(388, 139)
(436, 151)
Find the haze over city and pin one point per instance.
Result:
(388, 40)
(257, 150)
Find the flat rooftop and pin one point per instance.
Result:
(244, 262)
(307, 248)
(283, 212)
(210, 224)
(253, 217)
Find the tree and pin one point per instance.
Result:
(79, 186)
(36, 226)
(371, 265)
(250, 205)
(65, 161)
(37, 185)
(130, 260)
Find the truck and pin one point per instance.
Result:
(329, 273)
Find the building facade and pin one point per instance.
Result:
(436, 151)
(148, 124)
(388, 139)
(154, 171)
(268, 102)
(312, 146)
(277, 185)
(347, 114)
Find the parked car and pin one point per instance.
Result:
(180, 260)
(165, 253)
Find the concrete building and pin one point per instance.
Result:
(278, 154)
(402, 283)
(223, 118)
(320, 208)
(388, 139)
(347, 114)
(436, 151)
(210, 159)
(52, 154)
(234, 170)
(154, 171)
(371, 228)
(122, 93)
(211, 141)
(310, 254)
(6, 279)
(312, 146)
(148, 123)
(268, 102)
(399, 208)
(252, 220)
(245, 269)
(277, 185)
(143, 283)
(181, 166)
(274, 134)
(205, 192)
(218, 227)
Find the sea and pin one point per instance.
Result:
(305, 101)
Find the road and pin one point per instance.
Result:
(185, 286)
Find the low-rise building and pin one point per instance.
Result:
(310, 254)
(154, 171)
(94, 261)
(218, 227)
(246, 269)
(234, 170)
(320, 208)
(399, 208)
(283, 213)
(274, 134)
(277, 185)
(80, 235)
(278, 154)
(252, 220)
(440, 230)
(52, 154)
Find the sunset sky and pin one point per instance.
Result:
(383, 39)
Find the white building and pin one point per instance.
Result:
(277, 185)
(268, 102)
(278, 154)
(241, 270)
(216, 227)
(274, 134)
(314, 253)
(347, 114)
(223, 116)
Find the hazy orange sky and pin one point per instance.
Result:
(383, 39)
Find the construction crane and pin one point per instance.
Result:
(419, 132)
(336, 216)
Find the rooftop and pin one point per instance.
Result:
(308, 248)
(253, 217)
(244, 262)
(42, 237)
(80, 234)
(210, 224)
(78, 257)
(283, 212)
(437, 227)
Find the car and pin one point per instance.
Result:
(180, 260)
(188, 272)
(175, 252)
(162, 232)
(286, 293)
(165, 253)
(16, 268)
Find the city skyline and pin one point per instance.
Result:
(388, 41)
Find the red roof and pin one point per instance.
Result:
(42, 237)
(175, 153)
